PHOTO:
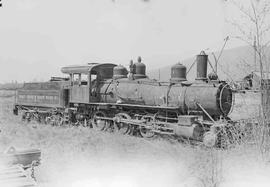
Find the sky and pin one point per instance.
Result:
(38, 37)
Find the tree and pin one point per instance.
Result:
(253, 28)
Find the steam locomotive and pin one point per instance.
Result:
(108, 96)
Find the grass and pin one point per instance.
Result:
(79, 156)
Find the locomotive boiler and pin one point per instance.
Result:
(108, 96)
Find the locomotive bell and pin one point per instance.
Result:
(119, 72)
(140, 69)
(202, 60)
(213, 76)
(178, 72)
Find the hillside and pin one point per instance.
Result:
(233, 64)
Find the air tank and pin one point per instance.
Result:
(178, 73)
(119, 72)
(140, 69)
(202, 60)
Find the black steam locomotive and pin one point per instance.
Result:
(106, 96)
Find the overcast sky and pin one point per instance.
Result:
(38, 37)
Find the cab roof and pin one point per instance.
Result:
(85, 69)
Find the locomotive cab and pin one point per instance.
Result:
(84, 80)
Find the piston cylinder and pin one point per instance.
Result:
(194, 131)
(202, 60)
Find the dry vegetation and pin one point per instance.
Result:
(83, 157)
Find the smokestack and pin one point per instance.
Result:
(202, 60)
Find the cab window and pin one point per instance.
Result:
(76, 79)
(80, 79)
(84, 79)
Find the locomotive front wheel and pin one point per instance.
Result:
(121, 127)
(146, 132)
(99, 124)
